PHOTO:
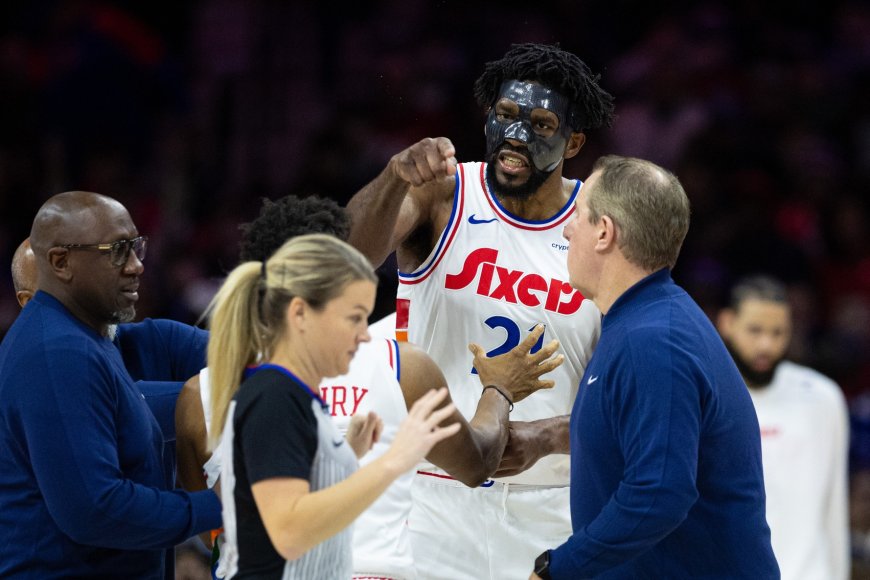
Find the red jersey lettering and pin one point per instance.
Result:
(506, 281)
(336, 397)
(527, 285)
(469, 269)
(513, 286)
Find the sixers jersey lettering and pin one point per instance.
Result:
(490, 279)
(513, 286)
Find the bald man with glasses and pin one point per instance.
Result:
(81, 475)
(159, 354)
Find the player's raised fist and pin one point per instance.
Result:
(425, 161)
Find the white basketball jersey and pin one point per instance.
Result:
(804, 422)
(381, 546)
(490, 279)
(384, 328)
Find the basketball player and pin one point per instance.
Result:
(482, 259)
(798, 409)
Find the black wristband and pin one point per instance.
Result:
(503, 394)
(542, 566)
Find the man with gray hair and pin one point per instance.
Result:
(666, 476)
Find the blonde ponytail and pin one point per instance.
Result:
(233, 341)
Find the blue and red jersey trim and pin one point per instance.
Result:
(536, 225)
(447, 235)
(395, 362)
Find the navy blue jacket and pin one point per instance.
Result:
(160, 356)
(81, 472)
(666, 478)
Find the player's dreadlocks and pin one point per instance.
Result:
(556, 69)
(288, 217)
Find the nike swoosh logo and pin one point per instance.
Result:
(338, 443)
(473, 220)
(592, 380)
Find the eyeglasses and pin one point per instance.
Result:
(119, 252)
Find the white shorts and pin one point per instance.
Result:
(493, 532)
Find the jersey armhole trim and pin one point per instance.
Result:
(395, 361)
(447, 235)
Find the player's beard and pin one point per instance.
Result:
(754, 378)
(520, 191)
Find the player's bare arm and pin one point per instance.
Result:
(531, 440)
(407, 198)
(191, 442)
(191, 436)
(473, 454)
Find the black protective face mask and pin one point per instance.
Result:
(545, 152)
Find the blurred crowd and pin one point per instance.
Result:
(189, 113)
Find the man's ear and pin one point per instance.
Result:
(58, 261)
(23, 297)
(725, 321)
(575, 144)
(606, 230)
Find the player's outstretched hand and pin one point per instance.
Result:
(363, 432)
(421, 430)
(519, 370)
(425, 161)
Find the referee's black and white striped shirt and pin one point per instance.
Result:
(277, 427)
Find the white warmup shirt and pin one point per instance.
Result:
(804, 451)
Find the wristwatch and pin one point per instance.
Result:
(542, 565)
